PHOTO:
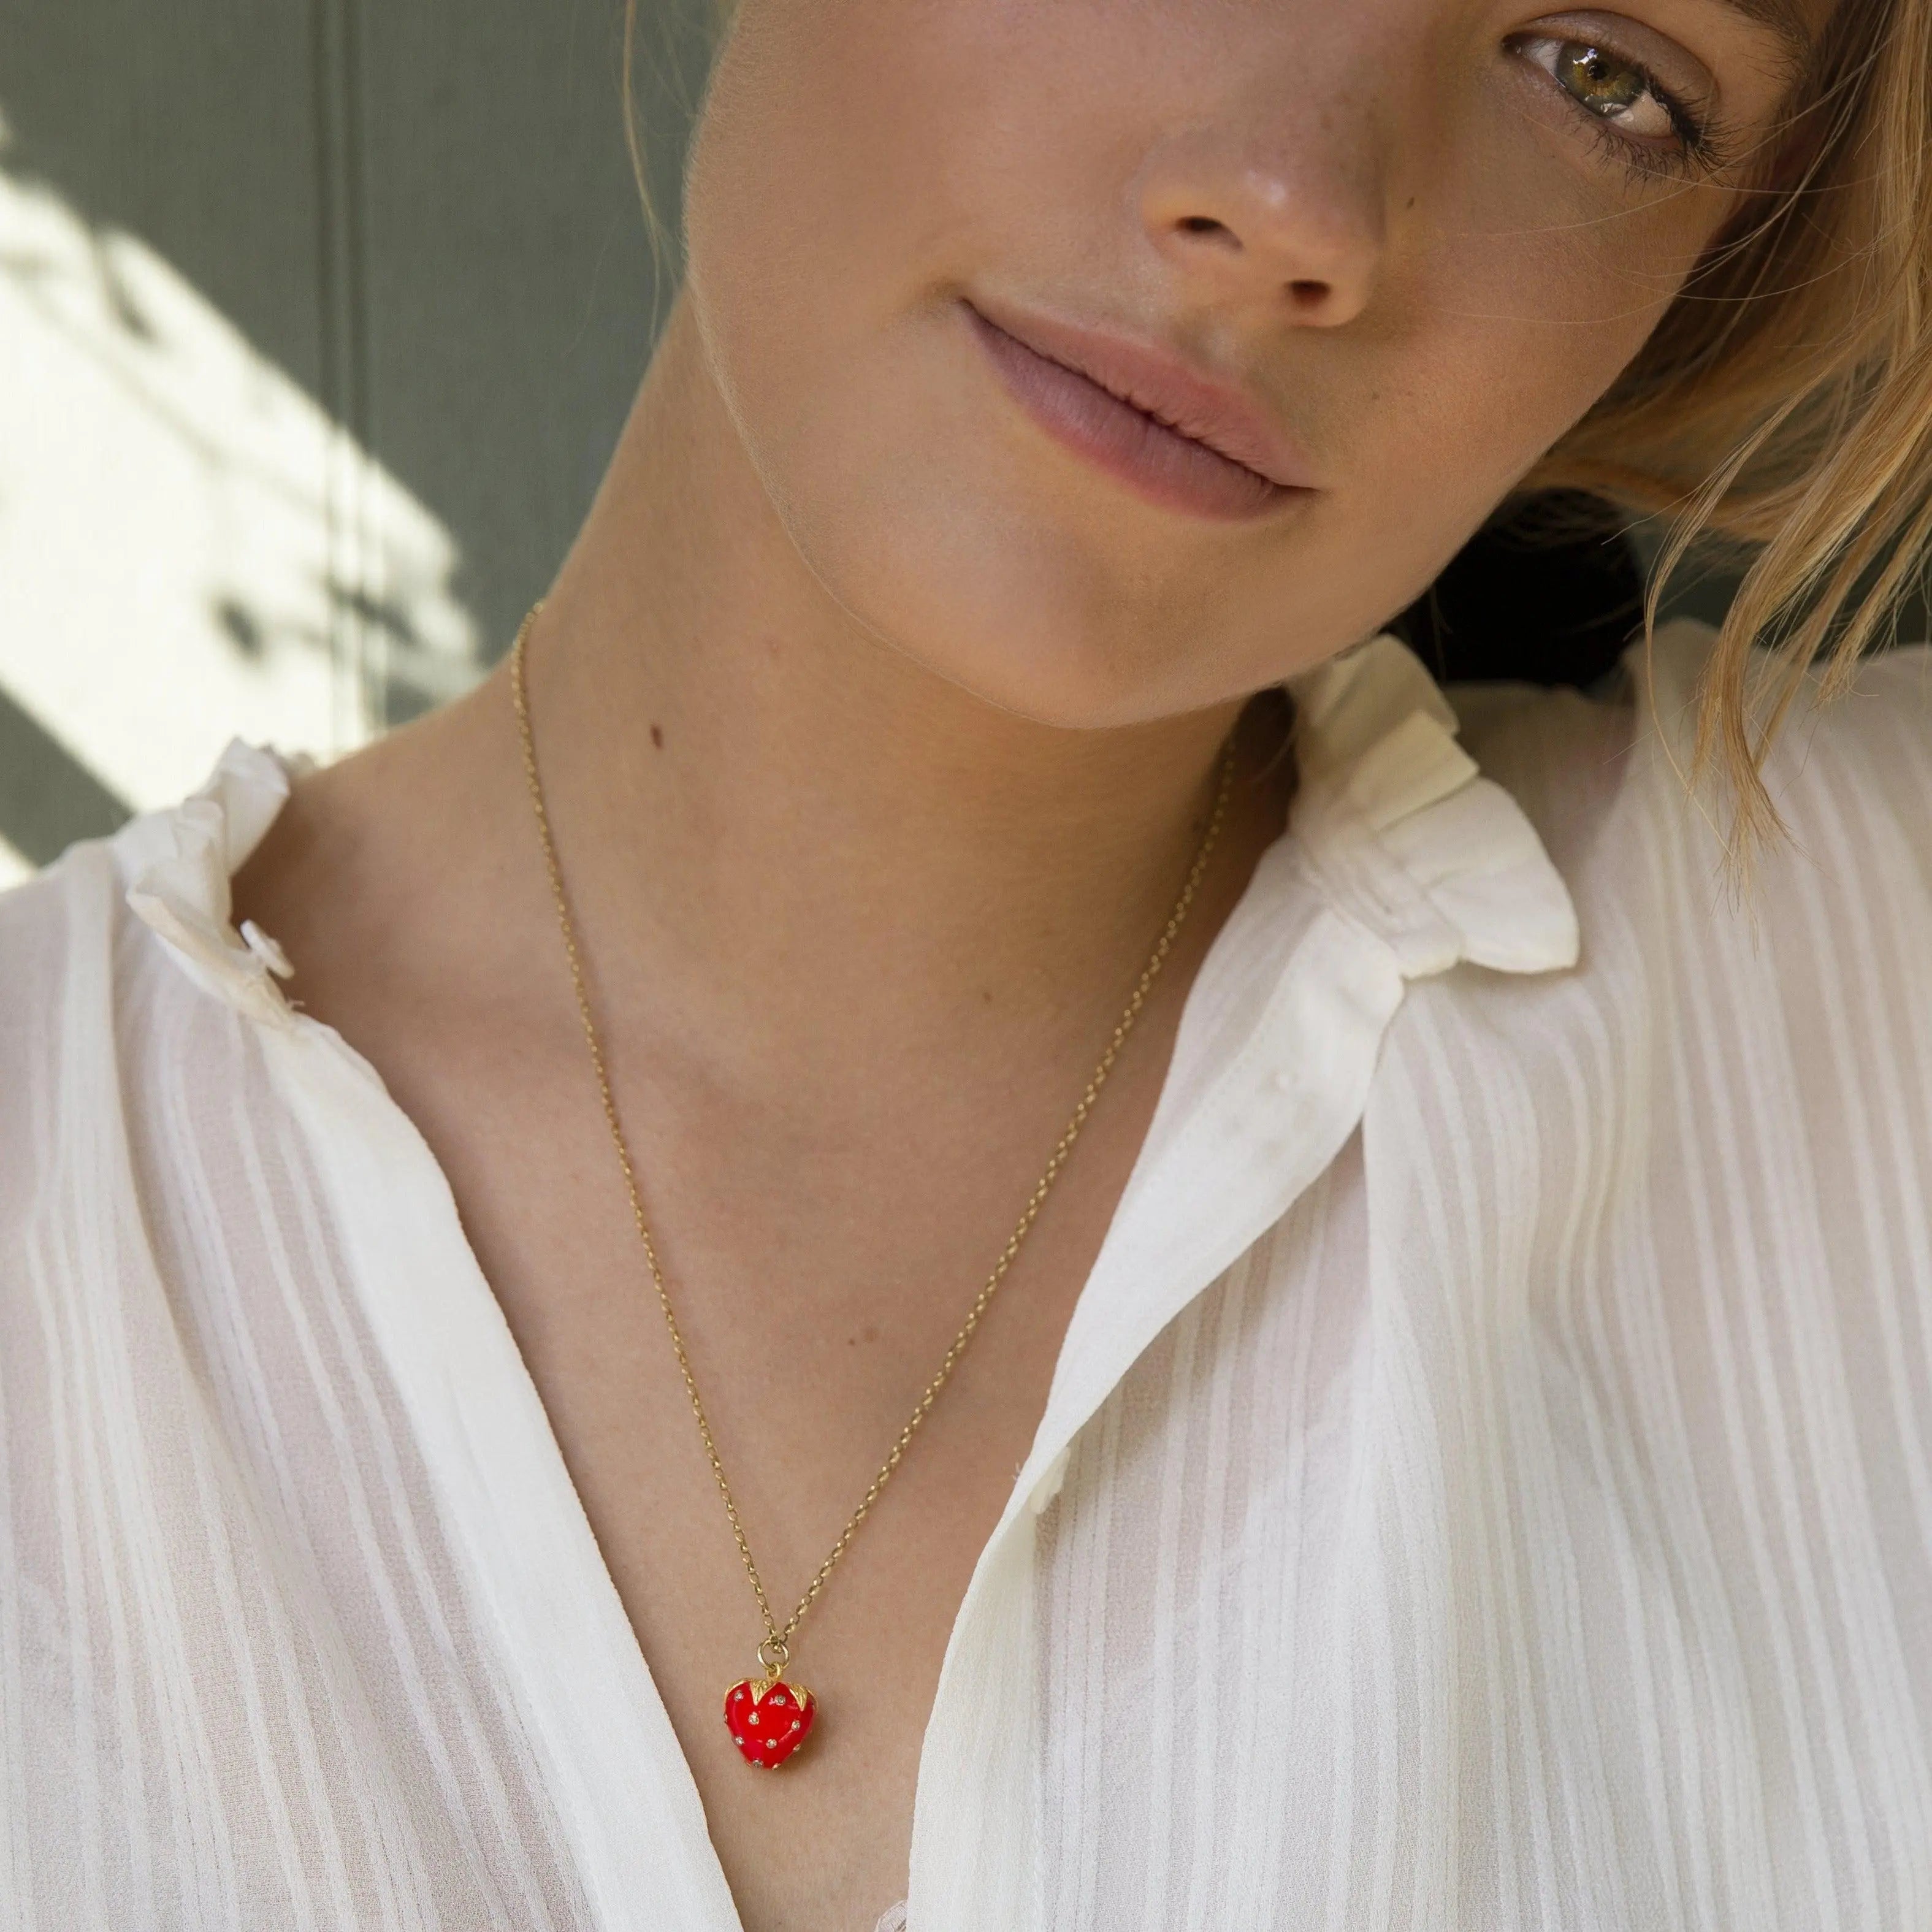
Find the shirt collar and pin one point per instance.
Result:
(1399, 862)
(1391, 817)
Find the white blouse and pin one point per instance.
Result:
(1486, 1483)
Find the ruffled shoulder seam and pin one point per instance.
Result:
(177, 864)
(1407, 835)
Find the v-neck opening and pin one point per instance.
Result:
(516, 1402)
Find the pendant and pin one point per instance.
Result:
(769, 1719)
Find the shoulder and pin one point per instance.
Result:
(57, 938)
(59, 935)
(71, 936)
(101, 955)
(1850, 776)
(1872, 740)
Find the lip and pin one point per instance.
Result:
(1175, 435)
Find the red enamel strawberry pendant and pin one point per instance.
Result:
(768, 1719)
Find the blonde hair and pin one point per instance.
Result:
(1781, 411)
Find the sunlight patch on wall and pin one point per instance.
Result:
(191, 549)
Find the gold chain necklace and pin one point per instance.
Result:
(768, 1718)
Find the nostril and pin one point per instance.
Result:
(1309, 294)
(1206, 224)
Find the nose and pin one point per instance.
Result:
(1291, 218)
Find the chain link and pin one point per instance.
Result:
(775, 1650)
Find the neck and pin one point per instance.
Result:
(776, 817)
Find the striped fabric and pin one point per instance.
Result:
(1486, 1483)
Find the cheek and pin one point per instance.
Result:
(845, 163)
(1527, 287)
(786, 229)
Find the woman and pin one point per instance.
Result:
(1413, 1290)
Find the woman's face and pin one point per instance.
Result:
(1343, 269)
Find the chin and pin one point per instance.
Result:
(1056, 645)
(1052, 609)
(1041, 622)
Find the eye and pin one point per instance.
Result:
(1615, 91)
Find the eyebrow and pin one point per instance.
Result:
(1785, 18)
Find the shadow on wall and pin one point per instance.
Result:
(183, 531)
(317, 328)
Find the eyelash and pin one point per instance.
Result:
(1700, 147)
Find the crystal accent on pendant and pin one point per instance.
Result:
(755, 1713)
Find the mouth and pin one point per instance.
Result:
(1174, 437)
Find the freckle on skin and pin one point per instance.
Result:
(657, 736)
